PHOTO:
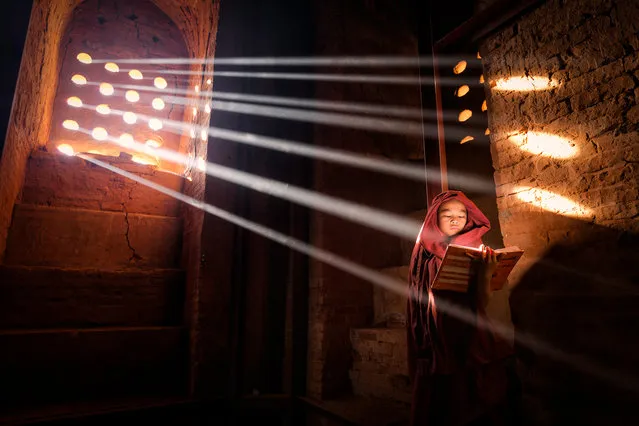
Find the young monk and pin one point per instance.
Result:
(460, 367)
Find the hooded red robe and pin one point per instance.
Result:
(458, 368)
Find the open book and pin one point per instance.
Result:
(458, 268)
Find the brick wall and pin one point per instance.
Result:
(575, 289)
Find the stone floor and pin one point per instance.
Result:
(277, 410)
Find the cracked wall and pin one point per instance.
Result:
(576, 139)
(62, 222)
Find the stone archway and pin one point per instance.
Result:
(31, 116)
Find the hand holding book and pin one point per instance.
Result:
(488, 259)
(459, 266)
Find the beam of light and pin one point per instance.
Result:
(343, 78)
(157, 104)
(74, 101)
(577, 362)
(344, 120)
(111, 67)
(84, 58)
(551, 202)
(394, 168)
(103, 109)
(70, 124)
(160, 83)
(106, 89)
(388, 125)
(79, 79)
(353, 107)
(338, 61)
(66, 149)
(525, 84)
(135, 74)
(393, 224)
(400, 169)
(546, 144)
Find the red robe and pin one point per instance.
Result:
(458, 369)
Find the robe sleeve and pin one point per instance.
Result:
(416, 309)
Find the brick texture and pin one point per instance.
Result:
(380, 367)
(576, 270)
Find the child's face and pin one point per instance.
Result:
(451, 217)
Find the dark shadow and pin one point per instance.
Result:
(580, 297)
(13, 24)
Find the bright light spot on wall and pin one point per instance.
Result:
(478, 55)
(143, 160)
(208, 81)
(194, 112)
(70, 124)
(129, 117)
(99, 133)
(465, 115)
(197, 88)
(551, 202)
(487, 132)
(200, 164)
(545, 144)
(207, 108)
(204, 135)
(157, 104)
(460, 67)
(484, 106)
(132, 96)
(160, 83)
(155, 124)
(66, 149)
(153, 143)
(103, 109)
(481, 79)
(74, 101)
(111, 67)
(462, 90)
(85, 58)
(126, 139)
(136, 75)
(106, 89)
(79, 79)
(466, 139)
(192, 132)
(525, 84)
